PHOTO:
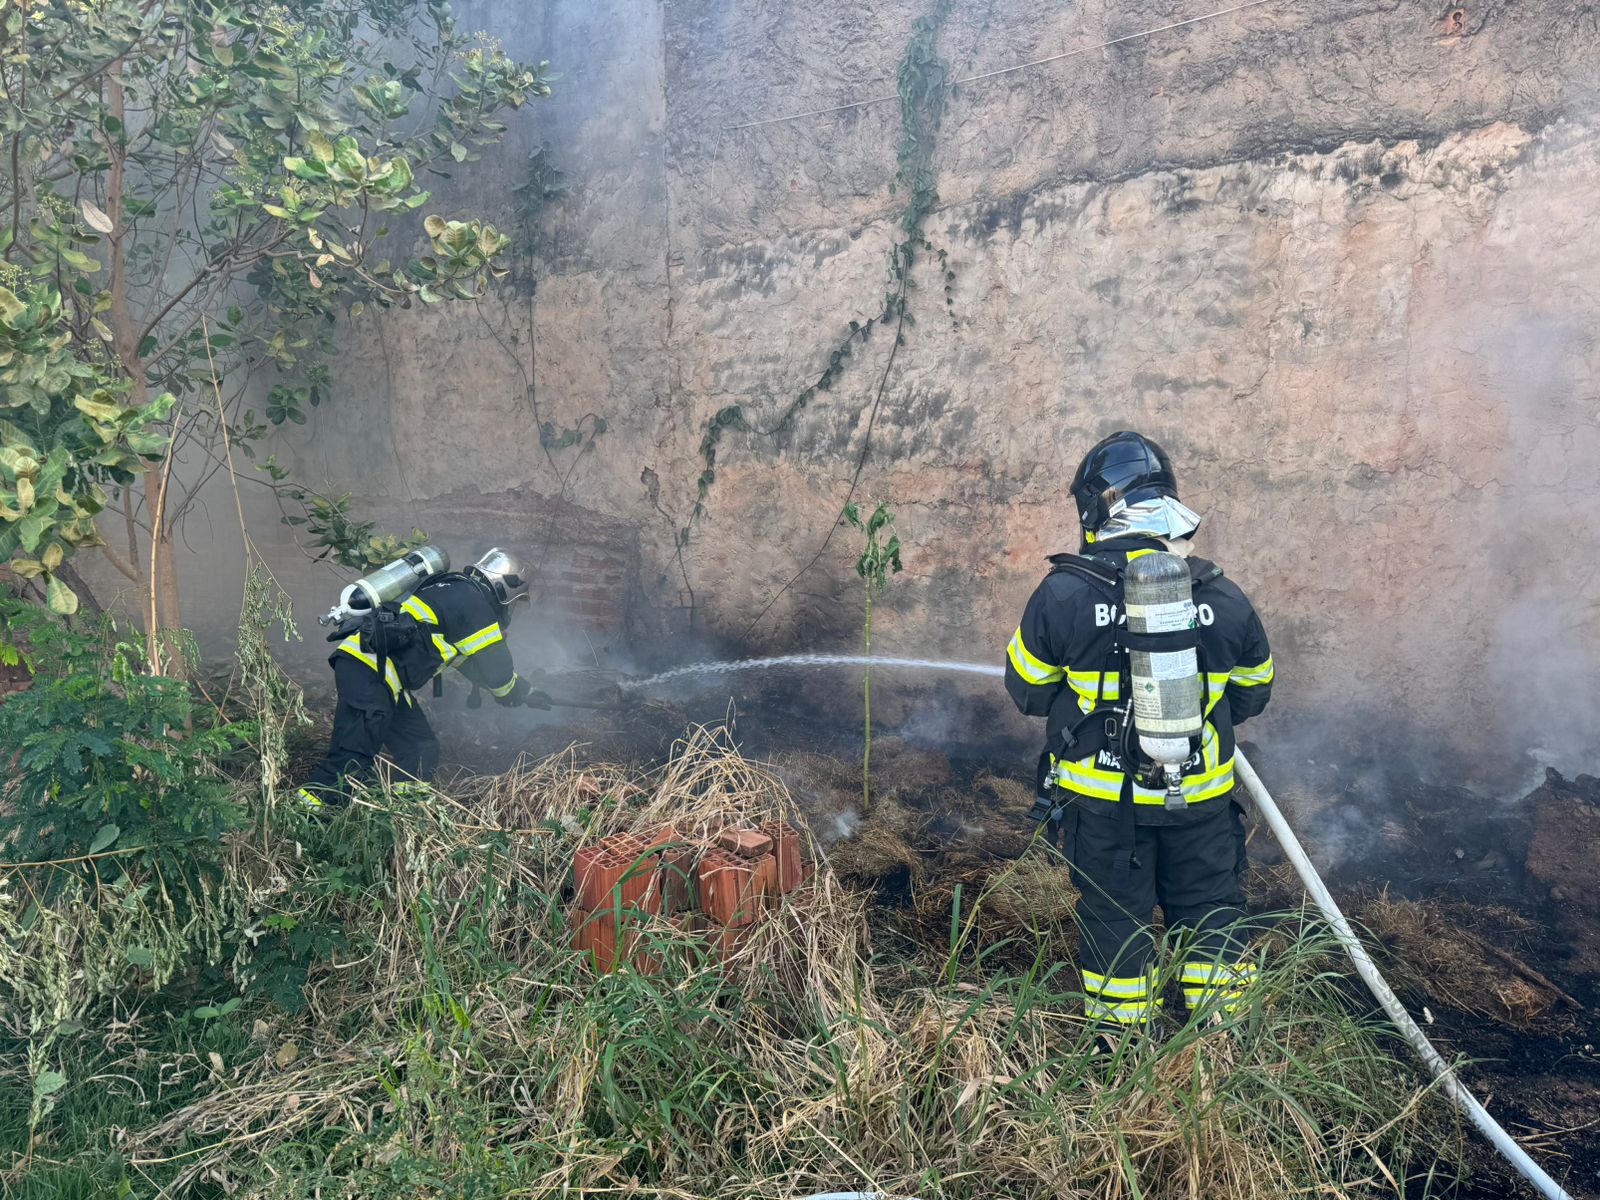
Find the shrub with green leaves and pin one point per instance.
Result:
(66, 433)
(116, 769)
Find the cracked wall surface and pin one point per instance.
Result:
(1344, 266)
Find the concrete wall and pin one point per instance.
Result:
(1342, 262)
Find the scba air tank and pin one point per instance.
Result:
(1163, 666)
(399, 578)
(388, 583)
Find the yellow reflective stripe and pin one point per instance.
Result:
(1104, 784)
(1133, 554)
(1210, 972)
(1086, 700)
(505, 691)
(1094, 685)
(445, 649)
(352, 646)
(1089, 781)
(1210, 982)
(419, 609)
(1033, 670)
(1252, 676)
(1133, 1012)
(1107, 685)
(309, 799)
(487, 636)
(1126, 987)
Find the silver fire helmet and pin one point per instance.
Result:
(501, 573)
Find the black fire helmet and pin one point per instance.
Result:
(1126, 467)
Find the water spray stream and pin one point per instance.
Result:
(810, 660)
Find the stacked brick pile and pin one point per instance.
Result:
(716, 889)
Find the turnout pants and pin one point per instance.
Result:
(368, 719)
(1192, 870)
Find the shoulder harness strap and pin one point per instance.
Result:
(1093, 569)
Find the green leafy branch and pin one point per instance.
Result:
(333, 534)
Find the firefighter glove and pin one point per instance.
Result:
(514, 695)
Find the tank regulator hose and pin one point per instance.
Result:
(1384, 994)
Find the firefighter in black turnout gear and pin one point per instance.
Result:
(456, 619)
(1134, 846)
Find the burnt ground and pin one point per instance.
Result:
(1485, 912)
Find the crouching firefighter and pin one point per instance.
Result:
(397, 629)
(1142, 659)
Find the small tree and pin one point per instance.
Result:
(200, 189)
(878, 560)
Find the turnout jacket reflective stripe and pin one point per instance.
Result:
(1061, 664)
(460, 627)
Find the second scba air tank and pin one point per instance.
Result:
(1167, 709)
(388, 583)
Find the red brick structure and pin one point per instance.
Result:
(719, 889)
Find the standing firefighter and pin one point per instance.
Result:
(392, 640)
(1140, 831)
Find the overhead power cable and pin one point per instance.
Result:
(1038, 62)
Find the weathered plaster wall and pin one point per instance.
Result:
(1345, 267)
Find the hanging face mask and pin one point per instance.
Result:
(1162, 517)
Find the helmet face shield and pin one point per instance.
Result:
(501, 572)
(1162, 517)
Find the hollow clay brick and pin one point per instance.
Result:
(747, 843)
(595, 934)
(610, 944)
(611, 877)
(595, 872)
(624, 843)
(726, 942)
(732, 891)
(676, 879)
(658, 839)
(786, 849)
(766, 880)
(639, 870)
(640, 959)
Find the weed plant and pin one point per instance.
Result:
(878, 559)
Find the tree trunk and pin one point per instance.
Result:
(163, 603)
(160, 610)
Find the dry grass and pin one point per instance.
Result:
(459, 1047)
(1437, 952)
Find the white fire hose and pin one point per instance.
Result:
(1367, 969)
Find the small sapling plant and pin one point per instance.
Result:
(879, 559)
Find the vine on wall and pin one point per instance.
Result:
(921, 80)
